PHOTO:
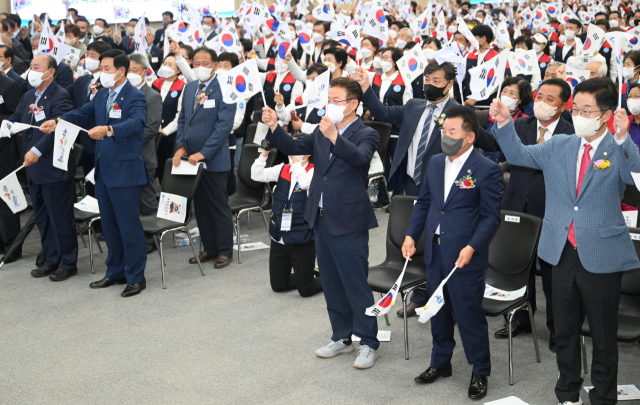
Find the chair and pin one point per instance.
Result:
(250, 135)
(384, 130)
(511, 253)
(90, 217)
(628, 309)
(182, 185)
(250, 195)
(631, 196)
(383, 276)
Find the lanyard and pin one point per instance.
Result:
(293, 195)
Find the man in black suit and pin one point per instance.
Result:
(209, 26)
(18, 65)
(154, 54)
(167, 18)
(8, 27)
(6, 60)
(100, 32)
(10, 95)
(23, 37)
(126, 44)
(64, 74)
(526, 193)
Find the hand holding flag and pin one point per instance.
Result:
(383, 306)
(435, 302)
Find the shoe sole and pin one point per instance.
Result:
(330, 357)
(42, 276)
(365, 368)
(215, 266)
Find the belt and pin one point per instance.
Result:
(321, 212)
(436, 238)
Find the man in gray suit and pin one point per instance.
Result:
(137, 71)
(584, 235)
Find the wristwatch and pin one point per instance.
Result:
(109, 131)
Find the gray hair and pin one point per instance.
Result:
(410, 32)
(152, 30)
(602, 67)
(556, 63)
(35, 36)
(140, 59)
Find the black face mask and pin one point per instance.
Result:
(433, 93)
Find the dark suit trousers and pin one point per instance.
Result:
(148, 199)
(344, 267)
(165, 151)
(53, 208)
(463, 295)
(214, 214)
(302, 258)
(123, 232)
(577, 293)
(88, 162)
(9, 226)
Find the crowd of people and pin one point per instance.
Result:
(565, 145)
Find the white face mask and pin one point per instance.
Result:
(35, 78)
(452, 29)
(509, 102)
(569, 34)
(336, 112)
(108, 79)
(628, 73)
(586, 127)
(537, 48)
(562, 38)
(309, 26)
(331, 66)
(401, 43)
(543, 111)
(386, 66)
(366, 53)
(265, 31)
(207, 28)
(613, 23)
(376, 63)
(203, 73)
(427, 52)
(393, 34)
(317, 38)
(135, 79)
(165, 71)
(70, 41)
(97, 30)
(91, 64)
(634, 106)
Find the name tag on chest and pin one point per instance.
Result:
(209, 104)
(287, 216)
(115, 114)
(39, 116)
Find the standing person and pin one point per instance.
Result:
(584, 237)
(459, 223)
(341, 215)
(203, 134)
(119, 111)
(52, 190)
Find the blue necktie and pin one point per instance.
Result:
(110, 99)
(422, 146)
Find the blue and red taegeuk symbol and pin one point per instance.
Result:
(572, 82)
(227, 39)
(50, 47)
(551, 10)
(424, 24)
(205, 11)
(118, 12)
(272, 24)
(587, 44)
(538, 15)
(325, 9)
(587, 18)
(386, 301)
(283, 49)
(490, 76)
(521, 63)
(272, 8)
(304, 38)
(413, 64)
(22, 2)
(566, 18)
(196, 36)
(182, 27)
(249, 10)
(241, 84)
(545, 30)
(149, 71)
(633, 41)
(380, 16)
(345, 41)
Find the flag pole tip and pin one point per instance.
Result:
(393, 303)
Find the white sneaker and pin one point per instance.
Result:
(366, 357)
(332, 349)
(571, 403)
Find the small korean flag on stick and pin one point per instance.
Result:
(435, 302)
(383, 306)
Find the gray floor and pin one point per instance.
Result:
(224, 338)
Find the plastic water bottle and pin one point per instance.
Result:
(235, 240)
(373, 196)
(244, 238)
(182, 239)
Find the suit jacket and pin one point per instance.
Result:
(468, 217)
(155, 54)
(22, 83)
(159, 39)
(604, 244)
(55, 101)
(206, 130)
(340, 177)
(19, 65)
(18, 49)
(526, 185)
(118, 158)
(79, 91)
(154, 117)
(211, 35)
(11, 96)
(408, 117)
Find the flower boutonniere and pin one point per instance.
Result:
(34, 109)
(601, 164)
(466, 182)
(114, 106)
(439, 121)
(95, 88)
(202, 97)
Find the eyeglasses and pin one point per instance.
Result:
(340, 101)
(583, 113)
(636, 97)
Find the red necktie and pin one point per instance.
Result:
(584, 165)
(130, 42)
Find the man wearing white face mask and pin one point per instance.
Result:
(101, 25)
(208, 25)
(584, 235)
(318, 36)
(6, 59)
(404, 36)
(339, 211)
(565, 49)
(126, 44)
(266, 46)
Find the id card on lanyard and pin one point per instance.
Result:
(287, 213)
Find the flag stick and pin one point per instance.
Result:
(11, 173)
(79, 128)
(263, 98)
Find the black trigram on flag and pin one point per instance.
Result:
(256, 11)
(483, 92)
(483, 74)
(595, 36)
(229, 80)
(245, 70)
(233, 96)
(527, 56)
(372, 22)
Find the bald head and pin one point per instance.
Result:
(42, 63)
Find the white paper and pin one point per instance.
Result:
(186, 168)
(497, 294)
(88, 204)
(631, 218)
(11, 193)
(247, 247)
(172, 207)
(261, 133)
(66, 135)
(91, 177)
(625, 392)
(636, 179)
(383, 336)
(507, 401)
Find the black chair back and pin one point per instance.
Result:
(158, 140)
(250, 135)
(248, 190)
(384, 130)
(631, 196)
(182, 185)
(78, 149)
(631, 279)
(399, 215)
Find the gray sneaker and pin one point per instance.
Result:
(366, 357)
(332, 349)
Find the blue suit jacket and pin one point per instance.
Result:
(468, 217)
(408, 117)
(206, 130)
(19, 80)
(341, 178)
(78, 92)
(120, 156)
(55, 101)
(604, 244)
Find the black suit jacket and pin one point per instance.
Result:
(156, 55)
(11, 94)
(159, 39)
(124, 44)
(18, 49)
(78, 92)
(22, 83)
(19, 65)
(526, 186)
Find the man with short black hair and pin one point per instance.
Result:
(6, 62)
(208, 25)
(566, 49)
(484, 36)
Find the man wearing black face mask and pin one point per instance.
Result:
(419, 137)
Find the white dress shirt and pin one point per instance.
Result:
(412, 152)
(94, 80)
(452, 173)
(550, 128)
(566, 48)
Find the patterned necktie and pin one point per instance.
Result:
(584, 165)
(201, 86)
(422, 145)
(110, 99)
(543, 131)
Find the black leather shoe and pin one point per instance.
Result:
(41, 258)
(552, 342)
(478, 387)
(13, 257)
(61, 274)
(106, 282)
(517, 328)
(43, 271)
(411, 310)
(134, 289)
(432, 374)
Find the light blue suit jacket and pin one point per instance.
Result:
(604, 244)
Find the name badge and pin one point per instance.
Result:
(115, 114)
(40, 116)
(1, 100)
(209, 104)
(154, 59)
(287, 216)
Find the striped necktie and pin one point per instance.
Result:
(110, 100)
(422, 146)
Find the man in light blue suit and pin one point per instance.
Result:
(584, 235)
(119, 112)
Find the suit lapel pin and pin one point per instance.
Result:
(605, 153)
(469, 171)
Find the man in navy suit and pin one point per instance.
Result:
(203, 134)
(6, 61)
(64, 74)
(119, 111)
(459, 211)
(52, 190)
(341, 214)
(82, 91)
